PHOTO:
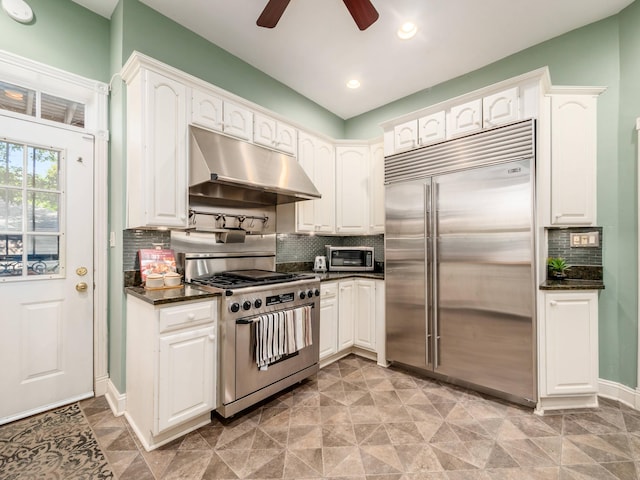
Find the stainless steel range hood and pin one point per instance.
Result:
(231, 172)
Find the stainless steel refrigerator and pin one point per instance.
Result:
(459, 260)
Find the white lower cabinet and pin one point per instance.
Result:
(171, 368)
(346, 313)
(350, 315)
(365, 314)
(328, 319)
(569, 363)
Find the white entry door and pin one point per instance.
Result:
(46, 267)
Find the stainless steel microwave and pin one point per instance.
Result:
(349, 259)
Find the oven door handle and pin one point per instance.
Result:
(254, 319)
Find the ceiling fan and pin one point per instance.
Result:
(362, 12)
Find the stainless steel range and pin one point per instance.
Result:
(269, 321)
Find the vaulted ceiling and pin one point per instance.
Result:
(316, 47)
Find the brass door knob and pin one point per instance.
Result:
(81, 271)
(81, 287)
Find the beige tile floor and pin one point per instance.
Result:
(358, 421)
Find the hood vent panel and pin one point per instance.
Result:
(231, 172)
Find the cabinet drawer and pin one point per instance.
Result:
(328, 290)
(180, 316)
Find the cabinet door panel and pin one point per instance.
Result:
(305, 211)
(571, 326)
(328, 320)
(325, 181)
(352, 192)
(405, 136)
(286, 138)
(465, 118)
(206, 110)
(501, 108)
(238, 121)
(264, 131)
(365, 318)
(165, 152)
(573, 160)
(346, 310)
(432, 129)
(186, 377)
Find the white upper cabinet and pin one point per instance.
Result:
(273, 134)
(213, 112)
(432, 129)
(573, 159)
(376, 189)
(500, 108)
(156, 151)
(352, 189)
(464, 118)
(317, 158)
(419, 133)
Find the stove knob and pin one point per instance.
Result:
(228, 293)
(234, 307)
(257, 303)
(310, 293)
(302, 295)
(246, 305)
(317, 292)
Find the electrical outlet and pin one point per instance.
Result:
(585, 239)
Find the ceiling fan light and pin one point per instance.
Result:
(407, 30)
(353, 83)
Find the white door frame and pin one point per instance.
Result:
(94, 95)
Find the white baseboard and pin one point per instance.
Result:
(101, 385)
(616, 391)
(116, 400)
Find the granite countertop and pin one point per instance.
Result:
(172, 295)
(328, 276)
(572, 284)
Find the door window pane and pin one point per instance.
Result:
(17, 99)
(62, 110)
(42, 168)
(43, 254)
(10, 209)
(11, 164)
(10, 255)
(42, 212)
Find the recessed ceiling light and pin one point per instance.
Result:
(353, 83)
(407, 30)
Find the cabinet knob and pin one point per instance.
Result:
(191, 316)
(553, 303)
(212, 337)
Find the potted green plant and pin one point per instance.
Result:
(557, 267)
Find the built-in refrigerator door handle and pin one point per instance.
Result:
(427, 272)
(434, 276)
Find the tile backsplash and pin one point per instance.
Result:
(559, 246)
(289, 247)
(304, 248)
(134, 240)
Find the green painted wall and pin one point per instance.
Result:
(618, 326)
(117, 196)
(62, 34)
(148, 32)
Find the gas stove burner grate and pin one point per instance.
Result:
(247, 278)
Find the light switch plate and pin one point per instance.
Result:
(585, 239)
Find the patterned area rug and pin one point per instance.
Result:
(58, 444)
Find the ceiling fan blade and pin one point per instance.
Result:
(272, 13)
(362, 12)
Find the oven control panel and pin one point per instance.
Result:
(278, 299)
(240, 304)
